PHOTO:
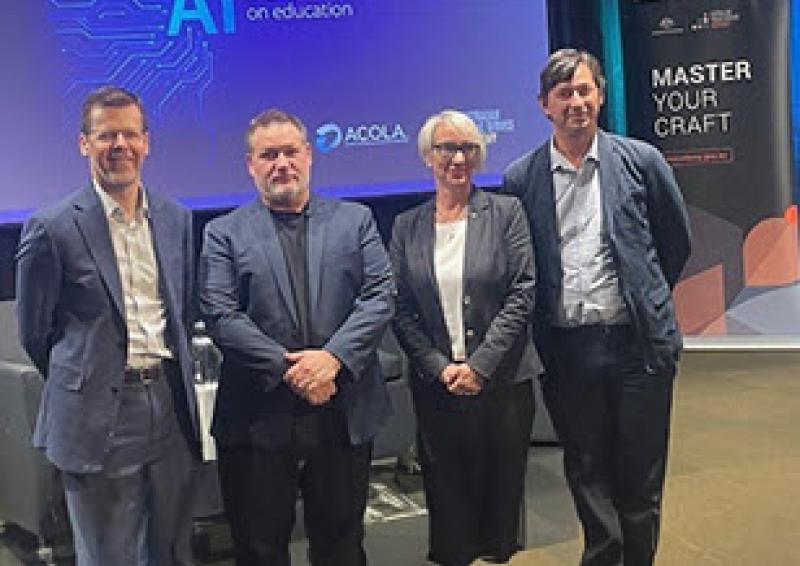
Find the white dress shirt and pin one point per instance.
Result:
(145, 313)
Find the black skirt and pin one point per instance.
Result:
(473, 464)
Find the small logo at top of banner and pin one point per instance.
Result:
(715, 20)
(667, 26)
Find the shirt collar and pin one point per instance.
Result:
(114, 210)
(559, 162)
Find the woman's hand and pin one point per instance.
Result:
(460, 379)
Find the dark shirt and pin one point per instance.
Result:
(292, 229)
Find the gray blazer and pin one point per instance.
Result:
(498, 292)
(648, 230)
(247, 302)
(72, 323)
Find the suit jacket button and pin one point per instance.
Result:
(466, 300)
(470, 332)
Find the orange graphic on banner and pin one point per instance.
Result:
(770, 252)
(700, 300)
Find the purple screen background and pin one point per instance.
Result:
(383, 65)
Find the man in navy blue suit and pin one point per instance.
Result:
(611, 235)
(296, 291)
(104, 293)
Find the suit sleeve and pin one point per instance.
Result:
(407, 326)
(38, 290)
(521, 174)
(514, 316)
(510, 184)
(190, 308)
(231, 328)
(669, 219)
(355, 341)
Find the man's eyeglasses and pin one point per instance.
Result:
(448, 150)
(110, 136)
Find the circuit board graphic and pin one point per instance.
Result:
(125, 43)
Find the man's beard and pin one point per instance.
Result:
(283, 195)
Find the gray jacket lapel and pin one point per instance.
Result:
(266, 239)
(476, 233)
(91, 220)
(424, 243)
(165, 234)
(609, 182)
(545, 225)
(318, 222)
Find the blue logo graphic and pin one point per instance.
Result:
(329, 137)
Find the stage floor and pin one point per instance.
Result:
(732, 491)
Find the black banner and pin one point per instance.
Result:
(707, 81)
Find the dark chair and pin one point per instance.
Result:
(31, 496)
(397, 437)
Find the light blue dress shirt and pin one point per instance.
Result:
(590, 292)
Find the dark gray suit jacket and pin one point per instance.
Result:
(247, 301)
(498, 294)
(648, 230)
(72, 323)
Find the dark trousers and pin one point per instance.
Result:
(612, 418)
(137, 510)
(473, 462)
(260, 487)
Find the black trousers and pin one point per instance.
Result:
(473, 460)
(612, 418)
(260, 486)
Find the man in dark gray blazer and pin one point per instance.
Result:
(296, 291)
(611, 235)
(104, 294)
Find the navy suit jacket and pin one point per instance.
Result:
(72, 324)
(247, 301)
(498, 296)
(648, 231)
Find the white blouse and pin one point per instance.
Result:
(448, 263)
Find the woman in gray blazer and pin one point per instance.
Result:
(465, 277)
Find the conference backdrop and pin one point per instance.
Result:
(708, 83)
(362, 74)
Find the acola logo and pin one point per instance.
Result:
(329, 136)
